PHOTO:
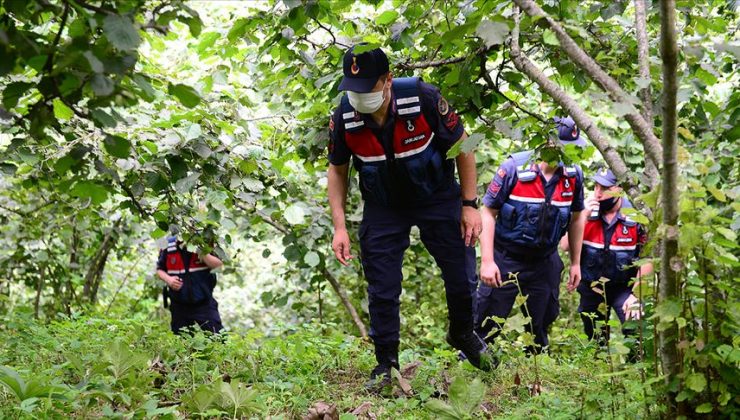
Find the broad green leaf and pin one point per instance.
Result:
(705, 408)
(13, 92)
(311, 259)
(705, 76)
(717, 193)
(492, 33)
(387, 17)
(61, 110)
(121, 32)
(295, 214)
(89, 189)
(101, 85)
(95, 64)
(696, 382)
(238, 29)
(117, 146)
(185, 94)
(549, 37)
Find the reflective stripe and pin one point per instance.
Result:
(354, 124)
(171, 249)
(417, 150)
(193, 269)
(404, 111)
(593, 244)
(198, 269)
(348, 115)
(409, 100)
(561, 203)
(371, 158)
(621, 247)
(526, 199)
(175, 271)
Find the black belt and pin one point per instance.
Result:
(531, 256)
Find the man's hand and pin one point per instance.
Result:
(470, 225)
(490, 273)
(574, 278)
(175, 283)
(631, 308)
(591, 204)
(340, 245)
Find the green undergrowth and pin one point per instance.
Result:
(93, 367)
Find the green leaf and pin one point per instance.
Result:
(705, 408)
(103, 118)
(13, 93)
(61, 110)
(89, 189)
(117, 146)
(295, 214)
(311, 258)
(492, 33)
(359, 49)
(387, 17)
(717, 193)
(549, 37)
(441, 410)
(705, 76)
(121, 32)
(185, 94)
(95, 64)
(465, 146)
(101, 85)
(238, 29)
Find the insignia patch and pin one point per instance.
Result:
(624, 239)
(413, 139)
(331, 123)
(451, 121)
(566, 184)
(173, 260)
(355, 68)
(442, 106)
(494, 188)
(501, 172)
(624, 230)
(567, 194)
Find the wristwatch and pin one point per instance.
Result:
(471, 203)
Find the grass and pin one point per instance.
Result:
(138, 369)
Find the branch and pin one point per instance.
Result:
(495, 86)
(642, 129)
(94, 8)
(48, 66)
(610, 154)
(408, 65)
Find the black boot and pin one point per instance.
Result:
(387, 358)
(473, 348)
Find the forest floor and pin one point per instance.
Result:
(135, 368)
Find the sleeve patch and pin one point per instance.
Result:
(451, 121)
(494, 188)
(331, 123)
(442, 106)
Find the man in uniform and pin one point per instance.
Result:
(397, 131)
(529, 206)
(611, 245)
(190, 286)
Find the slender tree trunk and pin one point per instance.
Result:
(97, 265)
(650, 175)
(39, 288)
(670, 263)
(342, 294)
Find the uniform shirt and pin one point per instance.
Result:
(506, 177)
(442, 119)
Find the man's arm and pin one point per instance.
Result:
(575, 242)
(489, 271)
(470, 225)
(337, 192)
(175, 283)
(211, 261)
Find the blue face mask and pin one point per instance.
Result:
(607, 204)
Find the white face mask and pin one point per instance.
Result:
(366, 103)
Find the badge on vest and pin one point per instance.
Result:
(413, 139)
(173, 260)
(410, 126)
(566, 184)
(624, 239)
(567, 193)
(624, 230)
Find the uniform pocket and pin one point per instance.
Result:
(508, 215)
(371, 178)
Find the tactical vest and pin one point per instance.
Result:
(609, 257)
(197, 280)
(414, 169)
(530, 218)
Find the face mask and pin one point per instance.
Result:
(366, 103)
(607, 204)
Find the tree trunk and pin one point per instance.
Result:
(650, 174)
(39, 288)
(97, 265)
(670, 263)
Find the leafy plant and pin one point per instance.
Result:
(463, 400)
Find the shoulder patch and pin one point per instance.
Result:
(442, 106)
(501, 172)
(331, 123)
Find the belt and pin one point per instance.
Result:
(533, 256)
